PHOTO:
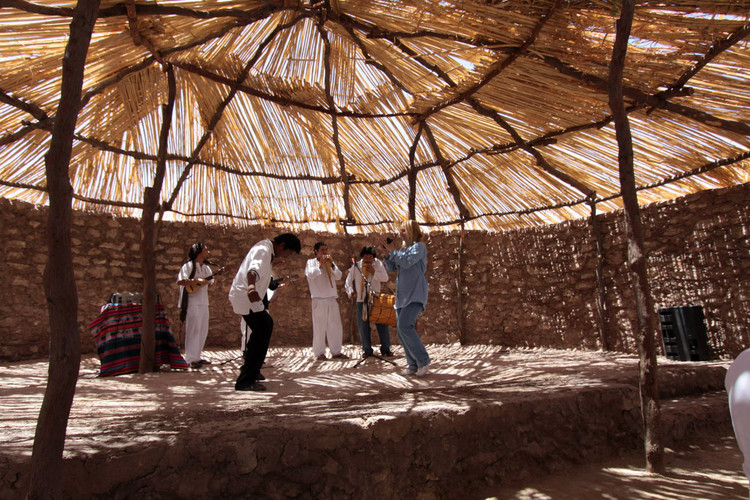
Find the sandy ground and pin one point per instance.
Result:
(109, 413)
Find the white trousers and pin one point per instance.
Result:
(196, 331)
(326, 320)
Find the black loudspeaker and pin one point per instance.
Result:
(683, 330)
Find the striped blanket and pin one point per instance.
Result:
(117, 333)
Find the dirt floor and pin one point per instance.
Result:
(109, 413)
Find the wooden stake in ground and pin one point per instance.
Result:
(646, 325)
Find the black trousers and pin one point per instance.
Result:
(256, 347)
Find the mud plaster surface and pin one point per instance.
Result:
(114, 414)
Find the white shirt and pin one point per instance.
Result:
(258, 260)
(317, 279)
(354, 279)
(200, 296)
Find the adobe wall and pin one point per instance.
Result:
(532, 287)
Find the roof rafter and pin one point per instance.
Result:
(495, 69)
(334, 119)
(218, 113)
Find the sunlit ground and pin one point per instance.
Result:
(711, 470)
(133, 410)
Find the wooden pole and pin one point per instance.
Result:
(148, 236)
(59, 279)
(646, 319)
(460, 287)
(602, 312)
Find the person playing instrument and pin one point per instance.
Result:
(369, 270)
(246, 296)
(410, 260)
(322, 273)
(196, 276)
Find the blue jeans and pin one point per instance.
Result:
(406, 318)
(364, 334)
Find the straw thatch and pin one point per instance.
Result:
(360, 113)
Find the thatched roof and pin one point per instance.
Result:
(354, 112)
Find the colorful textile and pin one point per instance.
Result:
(117, 333)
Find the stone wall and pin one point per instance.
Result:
(533, 287)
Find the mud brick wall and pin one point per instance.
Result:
(533, 287)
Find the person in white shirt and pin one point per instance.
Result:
(246, 296)
(368, 271)
(194, 278)
(322, 273)
(737, 383)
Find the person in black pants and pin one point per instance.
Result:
(246, 296)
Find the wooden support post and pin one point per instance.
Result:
(148, 235)
(59, 279)
(460, 287)
(646, 317)
(602, 312)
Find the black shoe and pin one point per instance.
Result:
(204, 362)
(386, 353)
(255, 386)
(366, 354)
(195, 365)
(260, 376)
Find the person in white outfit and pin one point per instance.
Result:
(195, 278)
(322, 273)
(369, 270)
(246, 296)
(737, 383)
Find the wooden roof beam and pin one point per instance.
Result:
(334, 120)
(448, 173)
(716, 49)
(149, 9)
(496, 68)
(282, 101)
(220, 111)
(654, 101)
(494, 115)
(32, 109)
(540, 159)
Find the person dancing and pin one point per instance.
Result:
(246, 296)
(410, 260)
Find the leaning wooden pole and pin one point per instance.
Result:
(646, 319)
(59, 279)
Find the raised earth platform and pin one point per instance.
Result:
(484, 419)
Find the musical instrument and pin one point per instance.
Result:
(192, 288)
(380, 309)
(274, 284)
(367, 269)
(327, 265)
(277, 281)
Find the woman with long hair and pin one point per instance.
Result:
(410, 260)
